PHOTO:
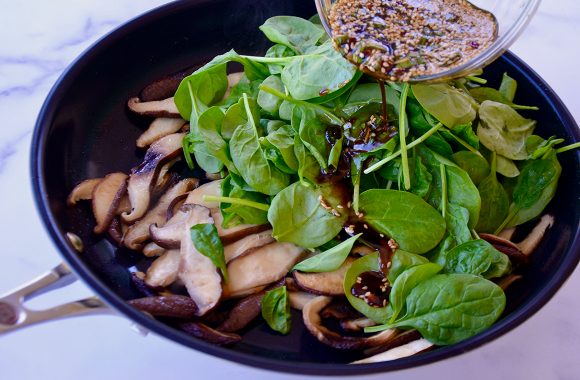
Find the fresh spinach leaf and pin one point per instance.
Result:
(328, 260)
(238, 212)
(477, 257)
(494, 202)
(269, 102)
(365, 264)
(535, 188)
(508, 87)
(317, 73)
(276, 310)
(209, 126)
(312, 132)
(457, 221)
(475, 165)
(481, 94)
(206, 241)
(401, 261)
(503, 130)
(308, 168)
(449, 105)
(297, 216)
(406, 281)
(449, 308)
(295, 32)
(409, 220)
(249, 158)
(236, 115)
(283, 140)
(278, 51)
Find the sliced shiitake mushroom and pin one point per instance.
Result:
(159, 128)
(154, 108)
(298, 299)
(235, 249)
(529, 244)
(237, 232)
(175, 306)
(233, 79)
(144, 176)
(115, 230)
(244, 312)
(324, 283)
(211, 188)
(505, 246)
(262, 266)
(106, 197)
(83, 191)
(138, 233)
(356, 325)
(313, 322)
(151, 249)
(163, 271)
(196, 271)
(202, 331)
(164, 87)
(403, 351)
(506, 281)
(169, 236)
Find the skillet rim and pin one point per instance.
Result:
(503, 326)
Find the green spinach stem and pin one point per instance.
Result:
(476, 79)
(328, 113)
(402, 137)
(465, 144)
(443, 173)
(513, 211)
(238, 201)
(568, 147)
(396, 154)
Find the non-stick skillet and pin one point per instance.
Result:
(85, 131)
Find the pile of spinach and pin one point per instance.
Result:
(458, 159)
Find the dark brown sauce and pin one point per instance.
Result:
(373, 288)
(398, 40)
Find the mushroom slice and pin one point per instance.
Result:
(124, 205)
(403, 351)
(144, 176)
(115, 231)
(313, 322)
(175, 205)
(235, 249)
(163, 271)
(262, 266)
(159, 128)
(164, 87)
(237, 232)
(211, 188)
(174, 306)
(233, 79)
(169, 236)
(202, 331)
(362, 250)
(529, 244)
(155, 108)
(138, 233)
(506, 281)
(356, 325)
(505, 246)
(83, 191)
(106, 197)
(298, 299)
(324, 283)
(244, 312)
(151, 249)
(507, 233)
(196, 271)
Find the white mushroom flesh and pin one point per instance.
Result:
(403, 351)
(163, 271)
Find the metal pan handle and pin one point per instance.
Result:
(15, 315)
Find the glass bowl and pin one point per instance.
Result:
(512, 18)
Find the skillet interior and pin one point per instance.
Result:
(85, 131)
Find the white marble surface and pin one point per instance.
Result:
(38, 39)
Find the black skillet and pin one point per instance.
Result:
(85, 131)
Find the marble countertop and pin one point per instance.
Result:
(38, 39)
